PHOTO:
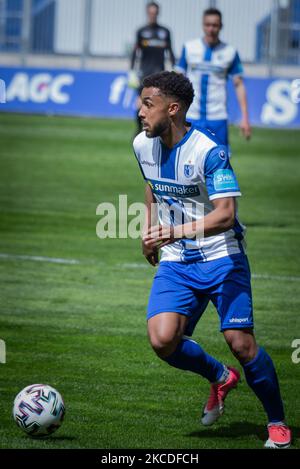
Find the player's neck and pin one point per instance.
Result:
(174, 135)
(211, 43)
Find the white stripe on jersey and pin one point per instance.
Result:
(182, 185)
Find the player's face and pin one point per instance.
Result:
(154, 112)
(212, 26)
(152, 13)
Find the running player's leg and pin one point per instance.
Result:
(172, 306)
(234, 305)
(166, 335)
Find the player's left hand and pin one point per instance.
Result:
(133, 79)
(158, 236)
(245, 129)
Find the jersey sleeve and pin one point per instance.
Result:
(219, 176)
(181, 66)
(236, 67)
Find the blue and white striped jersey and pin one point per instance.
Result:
(208, 69)
(184, 181)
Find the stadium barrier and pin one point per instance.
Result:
(273, 102)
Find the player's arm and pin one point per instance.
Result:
(219, 220)
(132, 76)
(222, 189)
(242, 99)
(135, 51)
(150, 252)
(236, 71)
(170, 50)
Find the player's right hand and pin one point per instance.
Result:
(150, 254)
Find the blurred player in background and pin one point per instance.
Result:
(189, 177)
(153, 45)
(208, 62)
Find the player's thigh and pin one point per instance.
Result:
(173, 302)
(165, 328)
(233, 297)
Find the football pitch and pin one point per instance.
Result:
(73, 306)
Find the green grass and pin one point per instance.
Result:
(81, 328)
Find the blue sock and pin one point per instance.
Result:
(190, 356)
(262, 379)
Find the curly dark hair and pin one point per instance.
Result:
(172, 84)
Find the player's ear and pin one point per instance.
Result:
(174, 108)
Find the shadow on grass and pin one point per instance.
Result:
(52, 438)
(62, 438)
(235, 429)
(238, 429)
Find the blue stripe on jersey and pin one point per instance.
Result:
(191, 255)
(176, 208)
(168, 167)
(204, 85)
(168, 159)
(182, 64)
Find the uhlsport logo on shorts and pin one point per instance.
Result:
(238, 320)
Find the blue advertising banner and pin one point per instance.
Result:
(272, 102)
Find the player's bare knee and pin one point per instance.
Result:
(242, 344)
(243, 350)
(163, 345)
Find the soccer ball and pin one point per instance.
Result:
(39, 410)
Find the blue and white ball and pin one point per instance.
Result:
(39, 410)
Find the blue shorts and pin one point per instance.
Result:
(219, 128)
(187, 288)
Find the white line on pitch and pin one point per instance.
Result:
(53, 260)
(276, 277)
(132, 265)
(254, 276)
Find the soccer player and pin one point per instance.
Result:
(189, 177)
(208, 63)
(153, 45)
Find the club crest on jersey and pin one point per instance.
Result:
(188, 170)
